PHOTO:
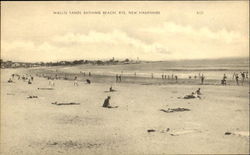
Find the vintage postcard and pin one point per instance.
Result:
(127, 77)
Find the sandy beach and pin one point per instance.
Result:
(137, 126)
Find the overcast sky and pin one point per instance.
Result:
(183, 30)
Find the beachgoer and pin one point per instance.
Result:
(29, 82)
(152, 75)
(233, 75)
(120, 78)
(117, 78)
(165, 76)
(52, 82)
(202, 79)
(75, 81)
(106, 103)
(243, 77)
(198, 92)
(111, 89)
(224, 81)
(10, 80)
(162, 76)
(189, 96)
(176, 78)
(237, 79)
(88, 81)
(89, 73)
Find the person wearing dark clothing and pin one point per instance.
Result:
(89, 74)
(117, 77)
(224, 81)
(176, 78)
(106, 103)
(198, 92)
(237, 79)
(10, 80)
(88, 81)
(243, 77)
(111, 89)
(202, 79)
(120, 78)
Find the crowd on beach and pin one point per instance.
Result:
(118, 78)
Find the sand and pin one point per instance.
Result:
(35, 126)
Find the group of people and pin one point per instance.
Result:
(26, 77)
(244, 75)
(195, 94)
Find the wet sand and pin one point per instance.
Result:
(35, 126)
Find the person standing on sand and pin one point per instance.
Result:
(176, 78)
(243, 77)
(237, 79)
(152, 75)
(233, 75)
(89, 73)
(117, 78)
(202, 79)
(224, 81)
(162, 76)
(120, 78)
(50, 81)
(172, 76)
(75, 81)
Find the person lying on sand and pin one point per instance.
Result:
(10, 81)
(88, 81)
(192, 95)
(70, 103)
(32, 97)
(106, 103)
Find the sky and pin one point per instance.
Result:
(32, 32)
